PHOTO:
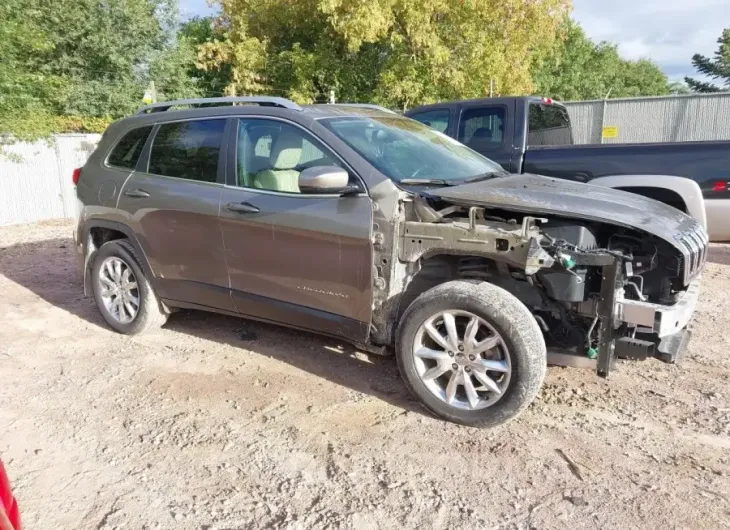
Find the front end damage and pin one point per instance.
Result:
(598, 291)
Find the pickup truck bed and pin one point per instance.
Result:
(534, 135)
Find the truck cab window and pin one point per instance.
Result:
(549, 125)
(436, 119)
(482, 128)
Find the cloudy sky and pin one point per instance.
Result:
(668, 32)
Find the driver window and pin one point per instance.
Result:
(271, 155)
(482, 128)
(436, 119)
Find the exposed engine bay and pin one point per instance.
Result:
(572, 274)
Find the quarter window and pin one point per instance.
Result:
(127, 151)
(188, 150)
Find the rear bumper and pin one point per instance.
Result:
(661, 320)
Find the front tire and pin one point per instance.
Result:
(122, 292)
(471, 353)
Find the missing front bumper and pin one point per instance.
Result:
(662, 320)
(663, 325)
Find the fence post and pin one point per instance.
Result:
(59, 170)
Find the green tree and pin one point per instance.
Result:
(576, 68)
(396, 52)
(23, 87)
(194, 33)
(716, 68)
(86, 58)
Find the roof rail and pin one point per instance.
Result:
(366, 106)
(266, 101)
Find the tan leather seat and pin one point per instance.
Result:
(286, 152)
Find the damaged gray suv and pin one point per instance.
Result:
(358, 223)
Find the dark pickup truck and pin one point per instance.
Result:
(534, 135)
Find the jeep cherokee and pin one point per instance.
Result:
(355, 222)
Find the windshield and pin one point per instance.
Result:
(406, 150)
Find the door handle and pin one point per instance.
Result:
(241, 207)
(137, 193)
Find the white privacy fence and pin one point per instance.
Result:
(35, 178)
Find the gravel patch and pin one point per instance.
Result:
(214, 422)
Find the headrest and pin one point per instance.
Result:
(286, 151)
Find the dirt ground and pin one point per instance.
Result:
(218, 423)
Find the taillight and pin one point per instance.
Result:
(719, 186)
(76, 175)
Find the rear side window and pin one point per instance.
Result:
(128, 149)
(188, 150)
(549, 125)
(482, 128)
(436, 119)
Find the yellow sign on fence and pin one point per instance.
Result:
(610, 132)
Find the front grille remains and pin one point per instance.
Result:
(697, 244)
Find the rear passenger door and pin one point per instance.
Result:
(486, 130)
(172, 202)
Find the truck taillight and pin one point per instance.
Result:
(719, 186)
(76, 175)
(548, 101)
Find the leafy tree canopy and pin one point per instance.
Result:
(196, 32)
(86, 58)
(395, 52)
(576, 68)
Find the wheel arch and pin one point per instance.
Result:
(440, 267)
(96, 232)
(668, 189)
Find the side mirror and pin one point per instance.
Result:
(325, 180)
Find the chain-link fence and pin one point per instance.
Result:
(652, 119)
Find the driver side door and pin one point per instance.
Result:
(302, 260)
(486, 130)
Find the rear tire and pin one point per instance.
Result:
(122, 292)
(471, 353)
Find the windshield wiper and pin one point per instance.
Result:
(438, 182)
(487, 176)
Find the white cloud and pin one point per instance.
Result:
(668, 32)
